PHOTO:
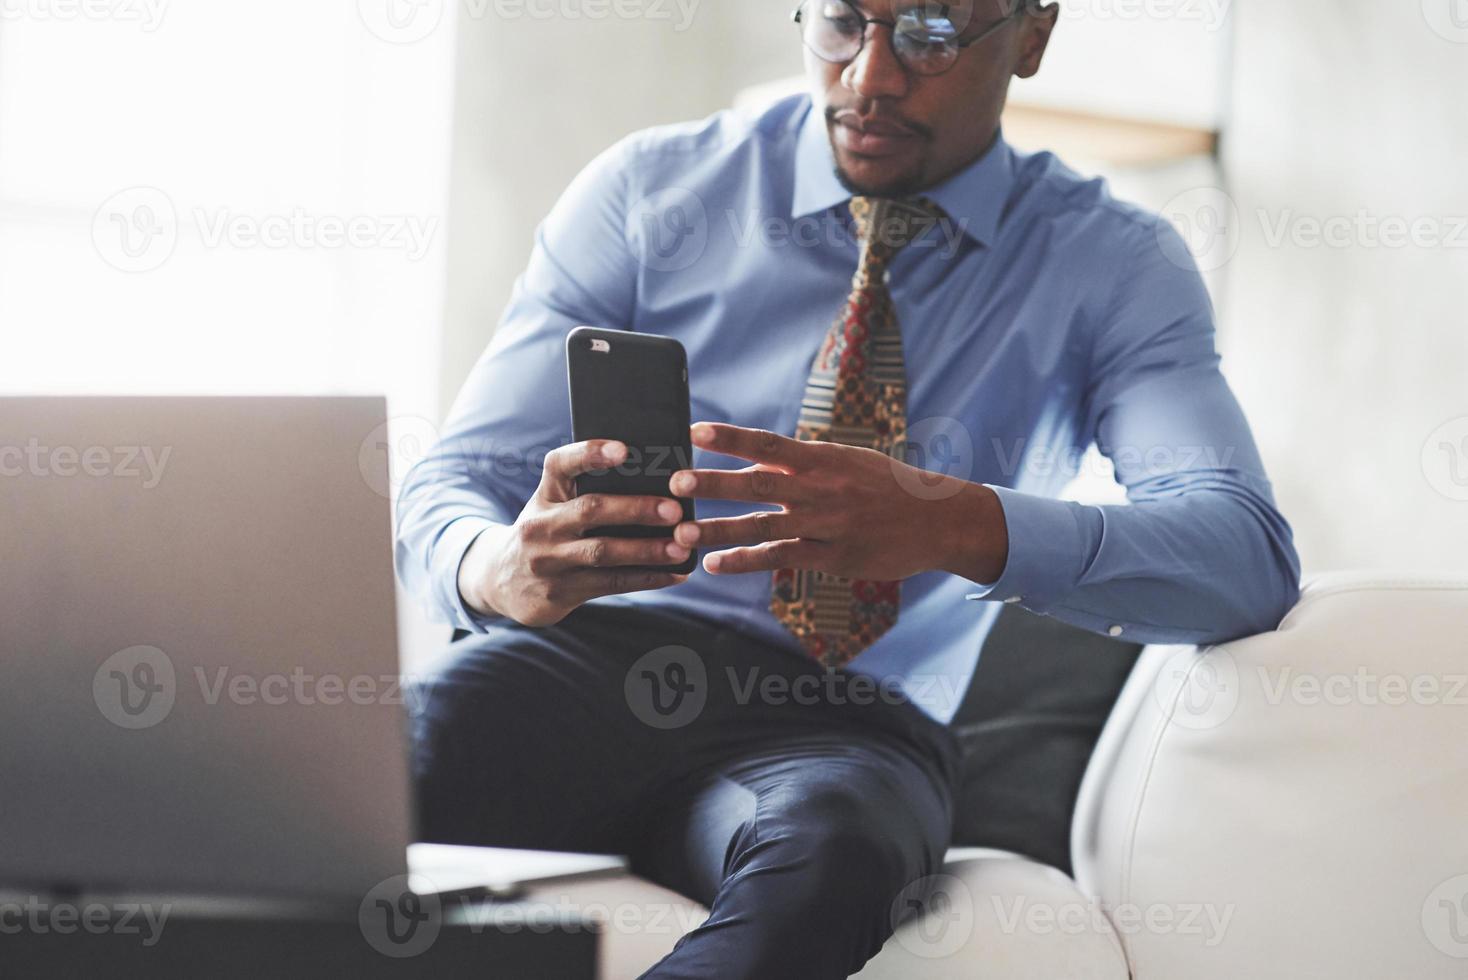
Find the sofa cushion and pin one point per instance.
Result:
(990, 914)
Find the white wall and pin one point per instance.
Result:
(1349, 358)
(538, 98)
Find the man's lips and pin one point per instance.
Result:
(872, 137)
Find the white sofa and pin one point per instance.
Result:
(1291, 805)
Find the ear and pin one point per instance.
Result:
(1036, 26)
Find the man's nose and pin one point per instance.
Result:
(875, 72)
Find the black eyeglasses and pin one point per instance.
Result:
(924, 35)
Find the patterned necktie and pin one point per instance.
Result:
(856, 396)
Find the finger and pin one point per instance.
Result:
(596, 583)
(607, 509)
(757, 484)
(767, 558)
(614, 552)
(757, 528)
(755, 445)
(563, 465)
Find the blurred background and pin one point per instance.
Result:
(335, 197)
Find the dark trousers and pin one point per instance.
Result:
(804, 807)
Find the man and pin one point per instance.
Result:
(994, 314)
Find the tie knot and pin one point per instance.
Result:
(887, 225)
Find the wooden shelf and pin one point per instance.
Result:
(1073, 135)
(1068, 133)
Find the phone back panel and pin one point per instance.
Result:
(633, 388)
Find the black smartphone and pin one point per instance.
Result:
(633, 388)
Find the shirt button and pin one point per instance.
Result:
(1115, 631)
(1013, 599)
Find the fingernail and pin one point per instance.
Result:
(613, 452)
(677, 552)
(712, 562)
(702, 432)
(669, 510)
(687, 534)
(684, 483)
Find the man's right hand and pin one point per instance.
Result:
(539, 569)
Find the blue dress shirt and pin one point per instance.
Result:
(1043, 318)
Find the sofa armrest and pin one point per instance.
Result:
(1293, 804)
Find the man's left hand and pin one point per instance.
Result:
(851, 512)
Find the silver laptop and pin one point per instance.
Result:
(200, 690)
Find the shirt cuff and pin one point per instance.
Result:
(448, 554)
(1047, 551)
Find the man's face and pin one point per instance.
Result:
(894, 131)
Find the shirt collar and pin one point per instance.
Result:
(974, 197)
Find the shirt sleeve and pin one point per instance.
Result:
(514, 407)
(1200, 553)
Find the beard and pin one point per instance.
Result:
(901, 183)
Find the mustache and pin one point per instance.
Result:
(835, 114)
